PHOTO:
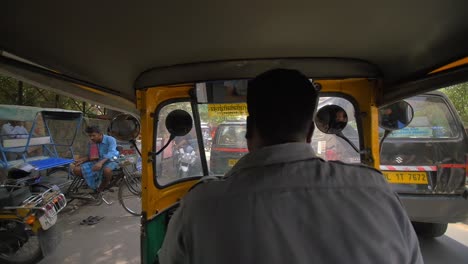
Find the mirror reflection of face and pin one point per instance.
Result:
(341, 116)
(395, 116)
(331, 119)
(387, 111)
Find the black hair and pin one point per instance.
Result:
(281, 104)
(92, 129)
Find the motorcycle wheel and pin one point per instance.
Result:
(29, 252)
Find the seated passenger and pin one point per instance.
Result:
(11, 130)
(14, 129)
(282, 204)
(97, 167)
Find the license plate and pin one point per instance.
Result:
(47, 221)
(406, 177)
(232, 162)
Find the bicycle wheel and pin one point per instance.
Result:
(130, 195)
(134, 183)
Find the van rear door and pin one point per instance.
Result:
(428, 156)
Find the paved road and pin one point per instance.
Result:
(116, 239)
(450, 248)
(113, 240)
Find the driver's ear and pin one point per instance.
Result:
(310, 132)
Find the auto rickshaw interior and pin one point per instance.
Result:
(151, 58)
(346, 118)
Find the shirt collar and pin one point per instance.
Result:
(104, 139)
(282, 153)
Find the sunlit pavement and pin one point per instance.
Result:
(115, 239)
(450, 248)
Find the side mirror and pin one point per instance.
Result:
(395, 116)
(125, 127)
(331, 119)
(179, 123)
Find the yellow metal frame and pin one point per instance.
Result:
(35, 227)
(449, 66)
(10, 216)
(155, 200)
(365, 92)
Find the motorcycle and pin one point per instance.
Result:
(27, 221)
(186, 160)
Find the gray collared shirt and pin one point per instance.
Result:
(282, 204)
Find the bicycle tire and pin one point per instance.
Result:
(130, 201)
(134, 184)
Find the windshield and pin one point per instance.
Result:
(223, 128)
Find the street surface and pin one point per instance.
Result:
(116, 239)
(450, 248)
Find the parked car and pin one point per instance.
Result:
(426, 164)
(228, 146)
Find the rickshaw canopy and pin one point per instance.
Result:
(29, 113)
(103, 51)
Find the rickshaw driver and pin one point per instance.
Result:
(282, 204)
(98, 165)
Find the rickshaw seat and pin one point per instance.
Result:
(21, 142)
(39, 162)
(49, 163)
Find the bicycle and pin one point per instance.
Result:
(128, 180)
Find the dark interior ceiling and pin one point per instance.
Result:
(111, 43)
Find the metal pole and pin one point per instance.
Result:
(20, 93)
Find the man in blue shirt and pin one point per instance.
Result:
(96, 168)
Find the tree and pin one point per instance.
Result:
(14, 92)
(458, 94)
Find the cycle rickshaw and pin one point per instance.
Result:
(44, 144)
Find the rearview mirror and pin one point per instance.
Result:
(331, 119)
(395, 116)
(179, 123)
(124, 127)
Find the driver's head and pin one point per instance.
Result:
(341, 116)
(94, 133)
(281, 105)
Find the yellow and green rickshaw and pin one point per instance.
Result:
(154, 59)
